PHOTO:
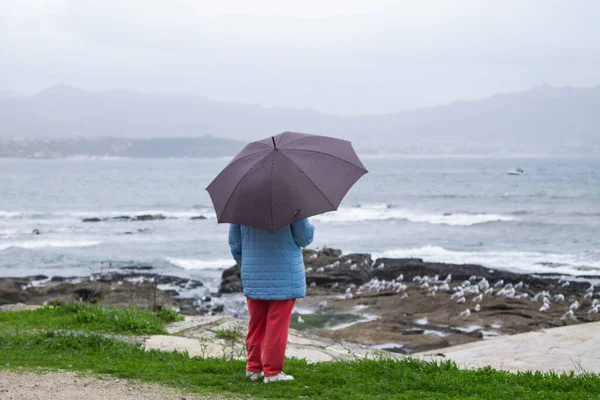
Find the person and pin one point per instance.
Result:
(273, 277)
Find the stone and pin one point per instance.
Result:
(91, 219)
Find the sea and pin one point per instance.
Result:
(438, 208)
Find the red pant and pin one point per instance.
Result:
(268, 335)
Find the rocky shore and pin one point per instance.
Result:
(401, 305)
(408, 305)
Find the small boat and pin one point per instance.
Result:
(517, 171)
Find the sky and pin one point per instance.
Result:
(336, 56)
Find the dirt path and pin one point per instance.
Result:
(69, 386)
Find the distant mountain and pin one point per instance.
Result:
(545, 119)
(204, 147)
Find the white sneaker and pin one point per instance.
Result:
(254, 376)
(279, 378)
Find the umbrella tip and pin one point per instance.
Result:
(274, 145)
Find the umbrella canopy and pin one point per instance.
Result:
(277, 181)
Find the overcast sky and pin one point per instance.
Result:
(338, 56)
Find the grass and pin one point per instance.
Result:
(360, 379)
(231, 335)
(88, 317)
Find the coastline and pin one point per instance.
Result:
(400, 305)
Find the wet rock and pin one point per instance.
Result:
(198, 217)
(91, 219)
(332, 271)
(122, 218)
(218, 308)
(89, 295)
(149, 217)
(13, 295)
(36, 232)
(231, 280)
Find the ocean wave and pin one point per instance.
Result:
(207, 212)
(529, 262)
(381, 212)
(40, 244)
(221, 263)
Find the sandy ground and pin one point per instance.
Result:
(69, 386)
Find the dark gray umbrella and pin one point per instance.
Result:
(283, 179)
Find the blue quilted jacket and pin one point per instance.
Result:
(272, 263)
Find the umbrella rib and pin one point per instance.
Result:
(238, 183)
(330, 155)
(311, 181)
(272, 164)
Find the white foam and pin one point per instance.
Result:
(221, 263)
(208, 213)
(529, 262)
(381, 212)
(39, 244)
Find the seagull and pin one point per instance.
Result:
(348, 261)
(314, 284)
(559, 297)
(335, 285)
(591, 288)
(405, 295)
(546, 300)
(435, 278)
(465, 283)
(565, 284)
(349, 290)
(477, 298)
(348, 296)
(477, 307)
(434, 289)
(300, 320)
(508, 286)
(400, 278)
(309, 269)
(472, 278)
(465, 314)
(489, 291)
(499, 283)
(461, 300)
(588, 295)
(321, 269)
(595, 302)
(353, 267)
(574, 306)
(322, 305)
(448, 278)
(456, 295)
(381, 266)
(545, 307)
(519, 285)
(425, 285)
(417, 279)
(444, 287)
(593, 310)
(568, 314)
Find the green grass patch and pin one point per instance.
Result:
(361, 379)
(89, 317)
(229, 334)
